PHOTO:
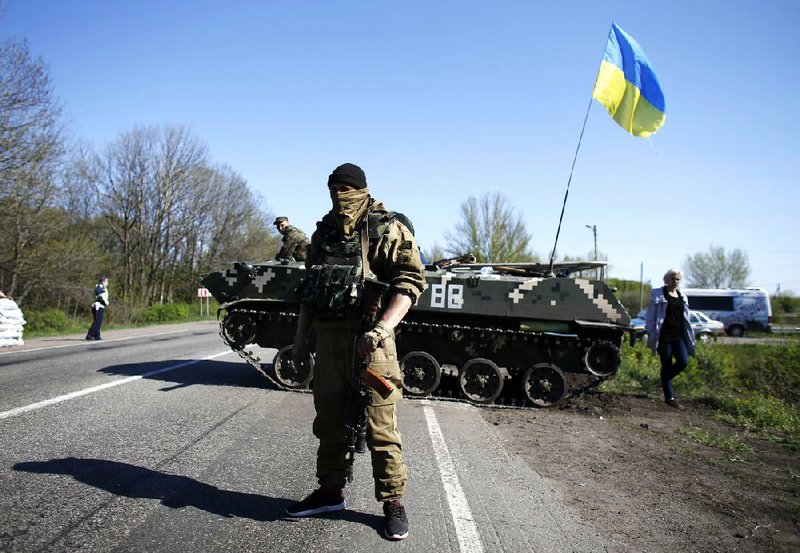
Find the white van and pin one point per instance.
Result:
(740, 309)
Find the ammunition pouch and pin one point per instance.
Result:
(332, 290)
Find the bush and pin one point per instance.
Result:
(770, 370)
(164, 313)
(639, 371)
(710, 371)
(759, 412)
(51, 320)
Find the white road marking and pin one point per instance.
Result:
(83, 342)
(469, 541)
(79, 393)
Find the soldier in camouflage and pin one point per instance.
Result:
(359, 238)
(295, 241)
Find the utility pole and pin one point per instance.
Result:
(593, 228)
(641, 286)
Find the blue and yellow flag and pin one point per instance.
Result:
(628, 87)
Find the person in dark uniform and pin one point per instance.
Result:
(101, 301)
(359, 240)
(669, 331)
(295, 242)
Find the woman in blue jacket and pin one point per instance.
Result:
(669, 332)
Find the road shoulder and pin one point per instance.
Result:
(629, 469)
(108, 335)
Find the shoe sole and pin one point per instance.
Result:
(326, 509)
(395, 537)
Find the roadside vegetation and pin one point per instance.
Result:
(725, 443)
(786, 310)
(755, 387)
(53, 322)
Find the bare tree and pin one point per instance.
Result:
(491, 230)
(122, 175)
(238, 226)
(29, 114)
(171, 214)
(149, 209)
(435, 252)
(31, 149)
(718, 269)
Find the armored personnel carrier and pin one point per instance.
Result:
(485, 333)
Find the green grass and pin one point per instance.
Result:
(756, 412)
(725, 443)
(54, 322)
(755, 387)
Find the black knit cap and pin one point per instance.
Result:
(349, 174)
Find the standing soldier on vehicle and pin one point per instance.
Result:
(295, 241)
(357, 242)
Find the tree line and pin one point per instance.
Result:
(151, 210)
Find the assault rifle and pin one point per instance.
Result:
(363, 378)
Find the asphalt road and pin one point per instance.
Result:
(162, 440)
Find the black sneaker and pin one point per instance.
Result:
(396, 520)
(672, 402)
(320, 501)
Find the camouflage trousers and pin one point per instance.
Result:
(333, 372)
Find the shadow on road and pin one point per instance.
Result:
(176, 491)
(210, 373)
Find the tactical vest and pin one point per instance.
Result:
(334, 286)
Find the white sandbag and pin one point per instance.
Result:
(11, 323)
(10, 310)
(11, 315)
(13, 333)
(7, 342)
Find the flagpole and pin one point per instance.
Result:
(566, 194)
(572, 169)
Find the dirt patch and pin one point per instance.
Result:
(631, 467)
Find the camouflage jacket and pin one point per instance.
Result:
(294, 246)
(393, 253)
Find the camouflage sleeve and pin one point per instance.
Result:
(294, 236)
(397, 257)
(299, 244)
(284, 251)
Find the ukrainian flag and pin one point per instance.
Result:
(628, 87)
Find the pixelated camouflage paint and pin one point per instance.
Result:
(460, 292)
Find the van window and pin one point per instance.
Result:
(711, 303)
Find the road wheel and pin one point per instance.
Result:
(290, 375)
(480, 380)
(420, 372)
(544, 385)
(602, 359)
(736, 330)
(704, 337)
(240, 329)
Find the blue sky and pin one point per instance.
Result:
(439, 101)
